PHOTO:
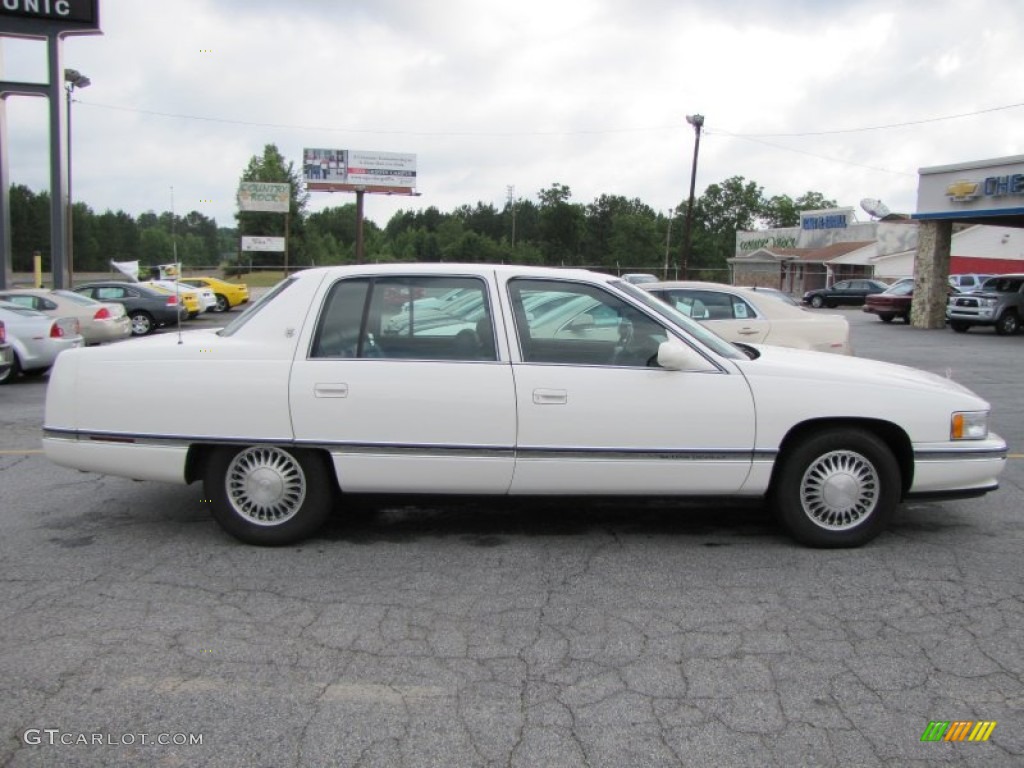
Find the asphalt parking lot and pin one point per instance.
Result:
(606, 635)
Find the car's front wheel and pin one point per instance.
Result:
(959, 326)
(837, 488)
(1008, 324)
(886, 318)
(267, 494)
(817, 302)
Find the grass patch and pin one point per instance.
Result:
(261, 279)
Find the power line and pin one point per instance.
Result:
(650, 129)
(876, 127)
(840, 160)
(389, 132)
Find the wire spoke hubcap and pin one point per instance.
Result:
(265, 485)
(839, 490)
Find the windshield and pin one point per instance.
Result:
(677, 318)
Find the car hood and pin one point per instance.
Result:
(833, 369)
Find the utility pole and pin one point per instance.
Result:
(697, 121)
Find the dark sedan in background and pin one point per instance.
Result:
(147, 308)
(845, 292)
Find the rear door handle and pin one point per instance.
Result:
(550, 397)
(330, 390)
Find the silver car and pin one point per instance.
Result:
(99, 321)
(6, 352)
(37, 339)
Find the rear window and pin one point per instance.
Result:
(77, 298)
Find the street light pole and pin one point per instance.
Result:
(697, 121)
(73, 79)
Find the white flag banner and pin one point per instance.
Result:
(129, 269)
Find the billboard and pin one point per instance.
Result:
(355, 170)
(258, 243)
(42, 16)
(263, 196)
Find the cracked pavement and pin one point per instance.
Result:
(598, 635)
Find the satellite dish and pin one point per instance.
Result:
(875, 207)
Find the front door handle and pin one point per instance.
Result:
(550, 397)
(339, 389)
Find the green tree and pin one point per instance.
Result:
(620, 233)
(722, 210)
(562, 224)
(784, 211)
(30, 227)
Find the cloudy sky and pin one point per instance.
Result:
(844, 97)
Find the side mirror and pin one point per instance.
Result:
(673, 355)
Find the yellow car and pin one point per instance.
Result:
(229, 295)
(189, 298)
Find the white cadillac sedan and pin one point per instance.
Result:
(345, 380)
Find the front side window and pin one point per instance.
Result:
(412, 318)
(109, 293)
(578, 324)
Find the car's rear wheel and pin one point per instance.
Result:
(837, 488)
(959, 326)
(142, 323)
(223, 305)
(817, 302)
(267, 494)
(886, 318)
(1008, 324)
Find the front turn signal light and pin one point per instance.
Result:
(969, 425)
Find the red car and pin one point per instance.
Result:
(894, 301)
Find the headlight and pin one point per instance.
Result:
(969, 425)
(989, 302)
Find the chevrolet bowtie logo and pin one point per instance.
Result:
(963, 190)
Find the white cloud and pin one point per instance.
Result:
(591, 94)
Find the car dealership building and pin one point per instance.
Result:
(969, 219)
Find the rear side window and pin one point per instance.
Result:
(412, 318)
(109, 293)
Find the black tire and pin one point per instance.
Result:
(959, 326)
(837, 488)
(1008, 324)
(142, 323)
(223, 305)
(817, 302)
(12, 372)
(269, 495)
(886, 318)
